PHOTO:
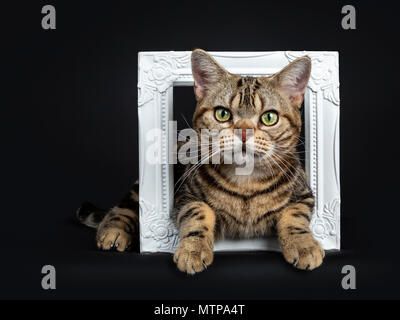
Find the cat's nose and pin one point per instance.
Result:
(244, 136)
(244, 129)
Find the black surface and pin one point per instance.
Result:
(69, 134)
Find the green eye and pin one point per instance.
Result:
(222, 114)
(269, 118)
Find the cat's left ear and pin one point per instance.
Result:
(292, 80)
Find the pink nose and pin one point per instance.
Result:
(243, 125)
(244, 135)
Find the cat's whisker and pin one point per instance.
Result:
(296, 170)
(192, 169)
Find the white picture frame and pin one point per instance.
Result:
(159, 72)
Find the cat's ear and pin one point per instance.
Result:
(292, 80)
(206, 72)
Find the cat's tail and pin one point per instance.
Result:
(89, 215)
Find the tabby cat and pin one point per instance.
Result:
(217, 203)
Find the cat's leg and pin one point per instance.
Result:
(121, 224)
(196, 222)
(297, 242)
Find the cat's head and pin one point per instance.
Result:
(269, 106)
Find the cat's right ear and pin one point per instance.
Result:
(206, 72)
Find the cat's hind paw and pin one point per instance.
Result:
(113, 238)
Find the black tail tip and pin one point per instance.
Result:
(85, 210)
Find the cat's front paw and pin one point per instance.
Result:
(109, 238)
(303, 252)
(193, 255)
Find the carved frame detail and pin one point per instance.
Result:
(159, 72)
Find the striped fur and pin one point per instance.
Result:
(214, 202)
(116, 228)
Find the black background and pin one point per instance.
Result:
(69, 134)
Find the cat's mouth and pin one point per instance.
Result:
(240, 154)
